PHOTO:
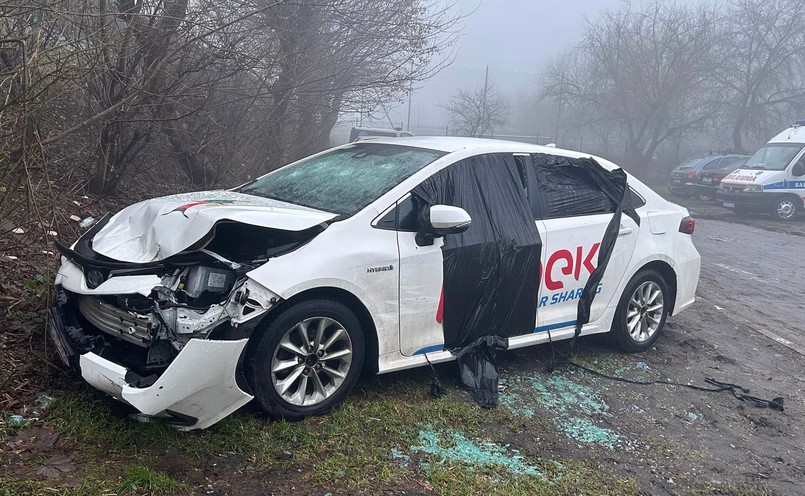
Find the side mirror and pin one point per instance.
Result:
(446, 219)
(443, 219)
(799, 168)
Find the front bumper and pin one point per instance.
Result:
(754, 200)
(198, 388)
(708, 190)
(679, 185)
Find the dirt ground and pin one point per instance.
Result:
(576, 432)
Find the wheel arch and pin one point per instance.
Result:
(668, 274)
(349, 300)
(800, 201)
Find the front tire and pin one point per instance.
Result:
(785, 208)
(307, 359)
(641, 313)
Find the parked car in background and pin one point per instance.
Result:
(684, 173)
(359, 133)
(709, 178)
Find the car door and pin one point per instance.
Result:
(572, 229)
(492, 268)
(421, 274)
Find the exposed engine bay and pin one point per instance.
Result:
(202, 293)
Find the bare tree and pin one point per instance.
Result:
(641, 73)
(214, 87)
(761, 54)
(477, 112)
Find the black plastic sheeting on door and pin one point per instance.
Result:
(613, 185)
(476, 365)
(491, 271)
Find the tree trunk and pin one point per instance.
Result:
(737, 134)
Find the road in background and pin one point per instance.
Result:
(756, 276)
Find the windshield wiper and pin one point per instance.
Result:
(758, 166)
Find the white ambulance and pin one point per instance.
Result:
(772, 180)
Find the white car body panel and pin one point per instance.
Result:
(71, 277)
(198, 383)
(398, 282)
(156, 229)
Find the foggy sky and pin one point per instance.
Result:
(515, 38)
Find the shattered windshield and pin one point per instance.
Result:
(774, 156)
(344, 180)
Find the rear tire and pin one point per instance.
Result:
(306, 360)
(641, 313)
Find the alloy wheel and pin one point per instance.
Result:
(645, 311)
(786, 209)
(311, 361)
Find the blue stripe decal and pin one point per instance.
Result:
(558, 325)
(785, 185)
(546, 328)
(777, 185)
(430, 349)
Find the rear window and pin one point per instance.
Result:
(344, 180)
(732, 163)
(689, 163)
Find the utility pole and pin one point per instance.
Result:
(561, 101)
(410, 94)
(484, 113)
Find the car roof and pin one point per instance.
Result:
(794, 134)
(452, 144)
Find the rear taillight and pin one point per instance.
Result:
(692, 175)
(717, 178)
(688, 225)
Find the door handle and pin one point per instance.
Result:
(624, 231)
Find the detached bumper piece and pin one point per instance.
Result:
(197, 389)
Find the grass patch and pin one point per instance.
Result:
(352, 449)
(666, 193)
(92, 423)
(141, 478)
(31, 487)
(573, 479)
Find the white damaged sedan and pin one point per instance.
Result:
(379, 255)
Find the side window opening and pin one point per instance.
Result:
(406, 215)
(568, 191)
(522, 162)
(712, 165)
(634, 200)
(400, 218)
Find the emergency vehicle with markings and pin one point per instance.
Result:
(772, 180)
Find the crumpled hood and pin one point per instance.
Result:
(751, 176)
(156, 229)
